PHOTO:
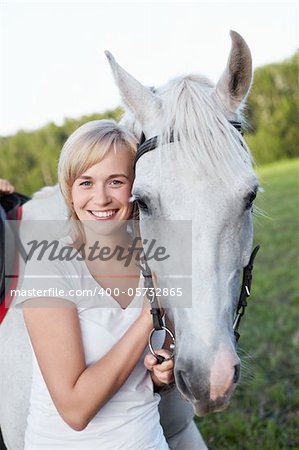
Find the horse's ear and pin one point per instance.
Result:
(139, 99)
(234, 84)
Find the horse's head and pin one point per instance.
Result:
(201, 171)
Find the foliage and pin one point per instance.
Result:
(273, 110)
(29, 159)
(264, 410)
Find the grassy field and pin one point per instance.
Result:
(264, 411)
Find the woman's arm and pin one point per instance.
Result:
(77, 391)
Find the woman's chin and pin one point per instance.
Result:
(103, 227)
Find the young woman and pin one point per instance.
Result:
(93, 383)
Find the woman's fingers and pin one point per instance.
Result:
(150, 361)
(6, 187)
(160, 370)
(164, 372)
(166, 354)
(163, 367)
(161, 373)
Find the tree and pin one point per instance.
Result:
(273, 108)
(29, 159)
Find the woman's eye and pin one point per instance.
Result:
(85, 183)
(116, 182)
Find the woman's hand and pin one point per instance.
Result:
(162, 374)
(6, 187)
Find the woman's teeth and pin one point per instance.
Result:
(103, 214)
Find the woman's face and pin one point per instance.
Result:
(101, 194)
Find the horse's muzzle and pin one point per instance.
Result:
(204, 399)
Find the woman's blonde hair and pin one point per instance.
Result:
(87, 146)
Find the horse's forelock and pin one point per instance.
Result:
(209, 143)
(129, 121)
(207, 139)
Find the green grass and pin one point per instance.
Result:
(264, 411)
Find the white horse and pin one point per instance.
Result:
(201, 171)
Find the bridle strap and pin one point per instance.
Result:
(149, 285)
(151, 294)
(237, 125)
(156, 312)
(147, 145)
(245, 292)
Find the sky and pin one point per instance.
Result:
(52, 53)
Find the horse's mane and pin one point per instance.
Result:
(209, 143)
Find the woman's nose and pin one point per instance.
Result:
(101, 195)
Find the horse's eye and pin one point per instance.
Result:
(250, 199)
(142, 205)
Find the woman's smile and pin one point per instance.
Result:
(104, 215)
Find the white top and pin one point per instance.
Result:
(130, 419)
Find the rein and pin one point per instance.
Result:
(155, 311)
(245, 292)
(145, 146)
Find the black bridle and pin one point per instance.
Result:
(145, 146)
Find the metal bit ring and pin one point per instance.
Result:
(172, 345)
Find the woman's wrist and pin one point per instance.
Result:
(146, 320)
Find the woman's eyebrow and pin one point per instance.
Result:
(115, 175)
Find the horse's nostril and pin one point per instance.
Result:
(237, 373)
(182, 383)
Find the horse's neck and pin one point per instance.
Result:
(44, 216)
(47, 204)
